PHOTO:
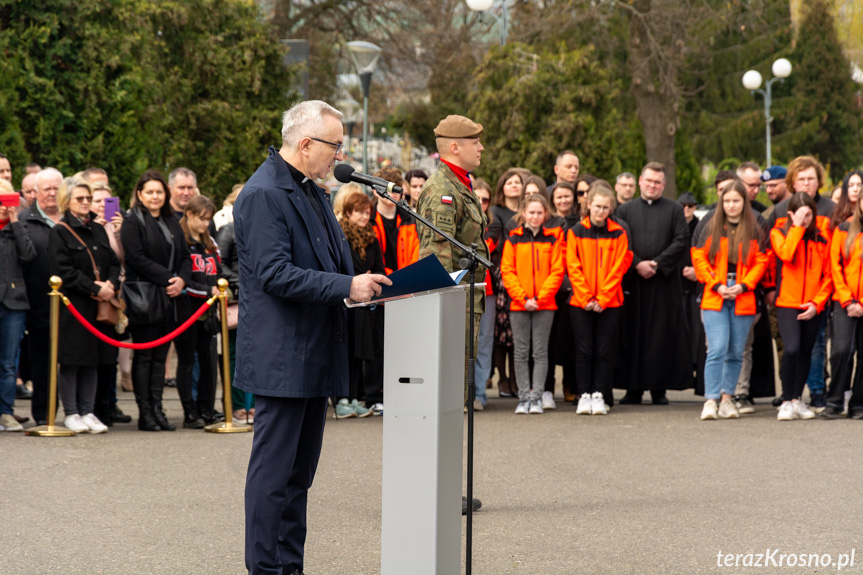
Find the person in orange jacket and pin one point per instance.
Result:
(396, 234)
(729, 261)
(803, 288)
(532, 269)
(597, 257)
(846, 262)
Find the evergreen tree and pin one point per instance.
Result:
(827, 109)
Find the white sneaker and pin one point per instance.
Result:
(727, 409)
(76, 424)
(597, 404)
(535, 407)
(9, 423)
(378, 409)
(802, 411)
(522, 408)
(93, 424)
(584, 405)
(786, 412)
(548, 400)
(709, 411)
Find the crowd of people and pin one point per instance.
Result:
(163, 254)
(622, 291)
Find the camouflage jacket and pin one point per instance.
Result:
(456, 210)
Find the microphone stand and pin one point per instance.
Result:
(470, 263)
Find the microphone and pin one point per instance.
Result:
(345, 173)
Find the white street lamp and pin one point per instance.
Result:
(502, 20)
(752, 82)
(364, 56)
(350, 108)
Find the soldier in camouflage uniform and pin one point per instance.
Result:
(447, 200)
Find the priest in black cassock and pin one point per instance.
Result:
(656, 356)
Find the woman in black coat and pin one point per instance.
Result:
(77, 248)
(366, 339)
(156, 253)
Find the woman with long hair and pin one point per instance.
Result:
(366, 340)
(804, 285)
(507, 198)
(198, 339)
(532, 269)
(846, 262)
(597, 257)
(80, 253)
(729, 261)
(157, 253)
(849, 192)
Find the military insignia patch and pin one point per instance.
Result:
(446, 200)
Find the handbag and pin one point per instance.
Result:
(145, 302)
(106, 311)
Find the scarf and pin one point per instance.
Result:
(358, 238)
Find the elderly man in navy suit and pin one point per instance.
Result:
(295, 269)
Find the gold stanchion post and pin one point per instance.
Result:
(228, 426)
(52, 430)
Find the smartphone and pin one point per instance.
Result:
(112, 206)
(10, 200)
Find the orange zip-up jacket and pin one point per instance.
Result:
(770, 277)
(803, 268)
(532, 266)
(596, 261)
(407, 243)
(847, 272)
(749, 273)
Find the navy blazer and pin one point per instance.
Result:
(292, 332)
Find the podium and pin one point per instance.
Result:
(423, 433)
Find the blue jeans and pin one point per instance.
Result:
(815, 379)
(726, 338)
(11, 330)
(482, 368)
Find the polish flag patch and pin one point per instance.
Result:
(446, 200)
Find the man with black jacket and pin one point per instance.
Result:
(39, 219)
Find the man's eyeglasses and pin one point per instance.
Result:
(338, 147)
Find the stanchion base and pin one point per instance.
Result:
(49, 431)
(228, 427)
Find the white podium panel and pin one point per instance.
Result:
(423, 434)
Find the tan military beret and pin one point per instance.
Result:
(458, 127)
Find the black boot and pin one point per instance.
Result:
(191, 419)
(209, 414)
(146, 421)
(156, 385)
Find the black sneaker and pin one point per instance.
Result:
(170, 382)
(818, 402)
(477, 504)
(831, 413)
(777, 401)
(117, 416)
(21, 392)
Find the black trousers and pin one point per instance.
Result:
(148, 365)
(197, 340)
(40, 357)
(595, 348)
(799, 339)
(285, 452)
(846, 341)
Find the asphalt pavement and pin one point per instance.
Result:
(645, 490)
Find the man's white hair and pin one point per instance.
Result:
(47, 174)
(305, 119)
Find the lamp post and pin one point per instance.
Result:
(502, 20)
(752, 82)
(364, 56)
(350, 108)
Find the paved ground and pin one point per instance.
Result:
(645, 490)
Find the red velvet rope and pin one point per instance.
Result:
(149, 345)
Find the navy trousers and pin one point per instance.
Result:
(285, 452)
